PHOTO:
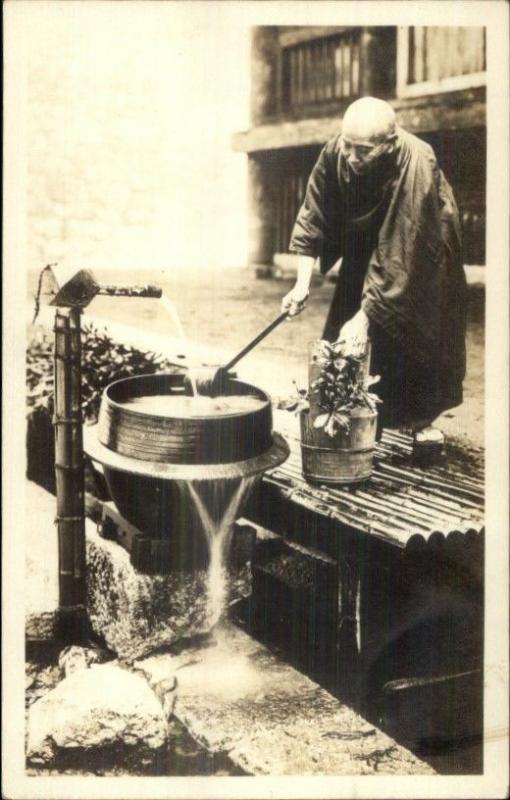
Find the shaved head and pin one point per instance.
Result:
(369, 119)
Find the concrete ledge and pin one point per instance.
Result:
(236, 697)
(464, 108)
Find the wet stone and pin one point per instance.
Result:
(39, 680)
(234, 696)
(138, 614)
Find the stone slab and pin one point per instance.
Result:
(136, 613)
(236, 697)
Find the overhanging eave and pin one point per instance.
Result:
(455, 110)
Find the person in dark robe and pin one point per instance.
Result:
(377, 200)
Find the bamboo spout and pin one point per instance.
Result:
(64, 289)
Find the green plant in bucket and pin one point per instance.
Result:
(341, 387)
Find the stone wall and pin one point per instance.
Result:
(129, 117)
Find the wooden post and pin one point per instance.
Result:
(265, 63)
(263, 204)
(69, 472)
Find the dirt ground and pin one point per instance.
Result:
(226, 309)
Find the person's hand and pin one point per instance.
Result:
(295, 301)
(354, 334)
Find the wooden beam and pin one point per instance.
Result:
(455, 110)
(309, 33)
(402, 58)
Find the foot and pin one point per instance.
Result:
(429, 435)
(428, 445)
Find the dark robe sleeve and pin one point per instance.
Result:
(416, 259)
(315, 233)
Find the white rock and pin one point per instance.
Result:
(92, 708)
(74, 658)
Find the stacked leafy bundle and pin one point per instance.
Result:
(103, 360)
(341, 387)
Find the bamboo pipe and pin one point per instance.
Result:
(69, 460)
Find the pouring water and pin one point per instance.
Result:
(218, 504)
(172, 311)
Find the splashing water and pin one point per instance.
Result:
(172, 311)
(222, 670)
(218, 504)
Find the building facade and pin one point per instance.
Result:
(303, 79)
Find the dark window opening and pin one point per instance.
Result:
(294, 171)
(454, 150)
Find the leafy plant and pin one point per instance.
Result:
(103, 361)
(340, 388)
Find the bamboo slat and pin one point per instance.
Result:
(399, 504)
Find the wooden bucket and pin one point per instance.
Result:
(343, 458)
(346, 457)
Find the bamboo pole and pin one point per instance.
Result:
(69, 463)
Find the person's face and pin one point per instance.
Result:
(362, 154)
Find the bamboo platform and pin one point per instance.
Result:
(401, 504)
(407, 552)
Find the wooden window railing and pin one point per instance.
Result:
(437, 59)
(321, 70)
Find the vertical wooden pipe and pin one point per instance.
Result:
(69, 463)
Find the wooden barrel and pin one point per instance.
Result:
(171, 438)
(147, 458)
(343, 458)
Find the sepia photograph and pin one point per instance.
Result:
(256, 399)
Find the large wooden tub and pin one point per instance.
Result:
(148, 457)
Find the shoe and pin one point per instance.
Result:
(428, 446)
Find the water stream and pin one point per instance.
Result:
(217, 504)
(172, 311)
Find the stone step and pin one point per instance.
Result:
(234, 696)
